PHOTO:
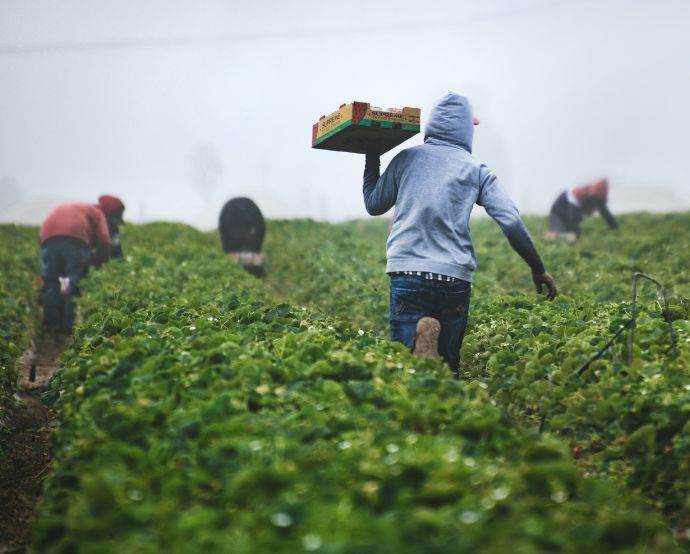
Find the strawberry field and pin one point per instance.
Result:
(18, 310)
(199, 408)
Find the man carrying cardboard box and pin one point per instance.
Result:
(430, 257)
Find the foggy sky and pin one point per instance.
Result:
(177, 106)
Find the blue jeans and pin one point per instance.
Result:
(62, 257)
(413, 297)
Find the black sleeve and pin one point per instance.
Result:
(520, 241)
(380, 191)
(495, 200)
(608, 216)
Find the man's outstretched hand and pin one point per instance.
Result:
(541, 279)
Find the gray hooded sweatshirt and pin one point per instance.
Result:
(434, 187)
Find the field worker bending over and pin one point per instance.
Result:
(242, 229)
(573, 205)
(68, 235)
(434, 187)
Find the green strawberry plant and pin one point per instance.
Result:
(19, 267)
(198, 410)
(529, 352)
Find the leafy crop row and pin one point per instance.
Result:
(341, 268)
(338, 269)
(626, 423)
(18, 310)
(196, 413)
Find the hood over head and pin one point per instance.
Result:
(111, 206)
(599, 190)
(451, 122)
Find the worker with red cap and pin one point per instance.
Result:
(573, 205)
(73, 235)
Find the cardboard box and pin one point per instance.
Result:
(359, 127)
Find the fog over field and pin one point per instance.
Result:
(177, 106)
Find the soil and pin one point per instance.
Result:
(27, 459)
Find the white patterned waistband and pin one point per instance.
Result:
(426, 274)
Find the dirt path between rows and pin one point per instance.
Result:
(27, 460)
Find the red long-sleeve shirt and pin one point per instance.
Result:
(81, 221)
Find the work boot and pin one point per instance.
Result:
(426, 344)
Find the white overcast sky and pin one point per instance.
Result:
(177, 106)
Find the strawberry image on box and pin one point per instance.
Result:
(360, 127)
